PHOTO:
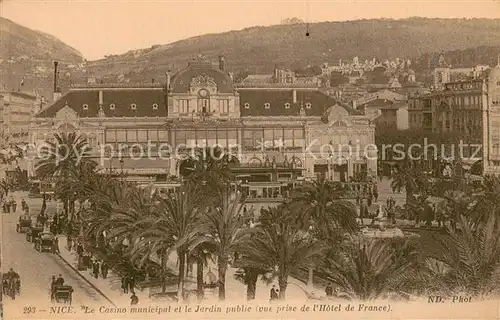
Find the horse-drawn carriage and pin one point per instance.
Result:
(24, 224)
(33, 233)
(11, 285)
(45, 241)
(62, 294)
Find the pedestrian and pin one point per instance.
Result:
(95, 269)
(23, 204)
(7, 206)
(131, 282)
(52, 288)
(104, 269)
(273, 294)
(79, 249)
(375, 192)
(329, 290)
(13, 204)
(69, 242)
(60, 281)
(125, 284)
(56, 245)
(134, 299)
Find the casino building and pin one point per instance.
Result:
(281, 133)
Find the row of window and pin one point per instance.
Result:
(251, 138)
(462, 86)
(267, 105)
(183, 106)
(112, 106)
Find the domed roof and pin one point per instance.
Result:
(206, 72)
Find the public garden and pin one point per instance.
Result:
(163, 240)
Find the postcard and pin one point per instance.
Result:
(250, 160)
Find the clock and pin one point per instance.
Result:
(203, 93)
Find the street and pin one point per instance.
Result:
(36, 269)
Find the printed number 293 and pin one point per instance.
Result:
(28, 310)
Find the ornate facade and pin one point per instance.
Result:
(280, 135)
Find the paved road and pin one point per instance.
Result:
(36, 270)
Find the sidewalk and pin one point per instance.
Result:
(235, 290)
(110, 287)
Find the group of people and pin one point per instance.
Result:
(128, 285)
(56, 282)
(11, 283)
(9, 205)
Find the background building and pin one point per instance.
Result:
(467, 109)
(16, 110)
(279, 132)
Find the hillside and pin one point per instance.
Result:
(258, 49)
(255, 49)
(30, 54)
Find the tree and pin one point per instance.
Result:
(374, 270)
(60, 158)
(319, 204)
(470, 258)
(248, 275)
(208, 167)
(223, 227)
(410, 177)
(170, 227)
(281, 246)
(487, 198)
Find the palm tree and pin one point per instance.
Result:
(104, 193)
(488, 198)
(281, 245)
(372, 271)
(470, 255)
(409, 177)
(201, 255)
(320, 204)
(60, 159)
(223, 228)
(209, 166)
(171, 226)
(248, 274)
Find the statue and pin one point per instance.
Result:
(285, 161)
(267, 163)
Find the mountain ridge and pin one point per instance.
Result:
(258, 49)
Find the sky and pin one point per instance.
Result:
(100, 27)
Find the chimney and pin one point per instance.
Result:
(57, 90)
(222, 63)
(294, 96)
(55, 76)
(354, 105)
(167, 82)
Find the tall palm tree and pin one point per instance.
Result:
(104, 193)
(208, 166)
(60, 158)
(172, 226)
(223, 228)
(373, 269)
(320, 204)
(281, 245)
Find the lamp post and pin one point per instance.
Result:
(121, 169)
